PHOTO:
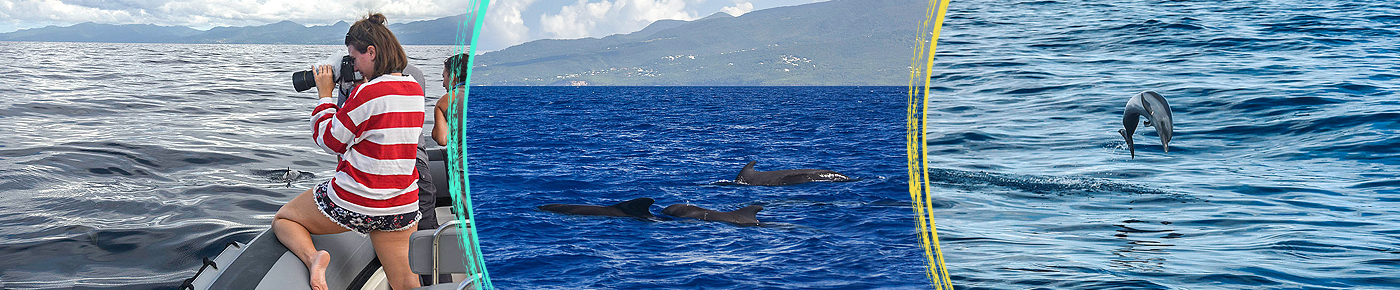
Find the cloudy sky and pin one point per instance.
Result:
(509, 22)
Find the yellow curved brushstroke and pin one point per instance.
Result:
(916, 142)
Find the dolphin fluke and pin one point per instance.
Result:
(1129, 138)
(1154, 107)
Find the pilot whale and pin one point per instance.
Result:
(1159, 115)
(638, 207)
(785, 177)
(744, 216)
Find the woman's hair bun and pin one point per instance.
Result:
(376, 18)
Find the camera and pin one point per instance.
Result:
(342, 69)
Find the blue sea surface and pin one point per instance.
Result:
(123, 164)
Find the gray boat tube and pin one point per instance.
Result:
(264, 263)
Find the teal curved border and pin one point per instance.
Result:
(460, 187)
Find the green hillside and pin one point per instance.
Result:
(842, 42)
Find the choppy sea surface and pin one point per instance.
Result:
(121, 165)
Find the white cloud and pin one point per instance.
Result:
(410, 9)
(596, 19)
(508, 22)
(203, 14)
(504, 25)
(738, 8)
(55, 11)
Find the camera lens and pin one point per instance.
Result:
(303, 80)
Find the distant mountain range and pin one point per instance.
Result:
(838, 42)
(441, 31)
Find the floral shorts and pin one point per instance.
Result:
(360, 222)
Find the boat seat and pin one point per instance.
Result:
(446, 238)
(438, 251)
(445, 286)
(437, 163)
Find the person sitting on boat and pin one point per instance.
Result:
(374, 134)
(454, 76)
(454, 79)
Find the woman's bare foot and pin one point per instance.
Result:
(318, 270)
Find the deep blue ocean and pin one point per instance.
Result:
(121, 165)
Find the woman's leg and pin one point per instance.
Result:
(392, 249)
(294, 224)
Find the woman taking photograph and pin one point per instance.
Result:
(374, 135)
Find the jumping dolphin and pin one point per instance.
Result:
(1159, 115)
(785, 177)
(638, 207)
(743, 216)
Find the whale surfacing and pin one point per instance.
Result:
(1159, 115)
(638, 207)
(785, 177)
(744, 216)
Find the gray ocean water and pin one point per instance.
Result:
(121, 165)
(124, 164)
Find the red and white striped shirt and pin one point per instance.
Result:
(375, 135)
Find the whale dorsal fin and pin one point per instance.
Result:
(749, 211)
(747, 169)
(638, 206)
(746, 214)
